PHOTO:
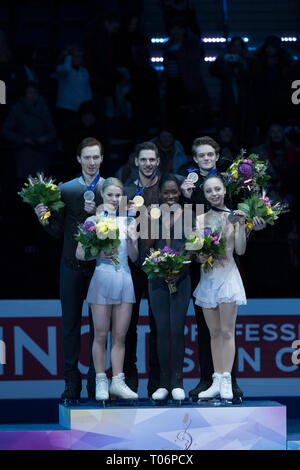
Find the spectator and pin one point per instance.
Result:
(29, 128)
(228, 147)
(13, 75)
(171, 151)
(73, 86)
(271, 83)
(233, 69)
(128, 173)
(284, 161)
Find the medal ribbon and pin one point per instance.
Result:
(140, 189)
(211, 172)
(93, 183)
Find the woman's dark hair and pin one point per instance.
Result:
(166, 177)
(218, 176)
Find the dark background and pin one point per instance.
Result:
(242, 99)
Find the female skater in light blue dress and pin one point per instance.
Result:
(111, 296)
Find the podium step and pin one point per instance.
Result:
(253, 425)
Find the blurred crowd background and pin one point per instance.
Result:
(127, 71)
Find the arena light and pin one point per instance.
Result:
(159, 68)
(252, 48)
(289, 39)
(209, 59)
(157, 59)
(214, 40)
(159, 40)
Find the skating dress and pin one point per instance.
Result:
(223, 282)
(112, 284)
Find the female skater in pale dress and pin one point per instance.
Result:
(220, 289)
(111, 296)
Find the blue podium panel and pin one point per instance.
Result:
(253, 425)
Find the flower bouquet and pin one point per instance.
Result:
(42, 190)
(99, 235)
(261, 206)
(246, 173)
(163, 263)
(212, 244)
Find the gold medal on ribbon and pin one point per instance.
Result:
(138, 200)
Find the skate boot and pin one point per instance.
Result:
(237, 392)
(160, 394)
(178, 395)
(214, 390)
(204, 384)
(101, 393)
(71, 394)
(226, 388)
(119, 389)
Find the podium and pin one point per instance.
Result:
(259, 425)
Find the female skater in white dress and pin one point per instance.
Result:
(220, 290)
(111, 296)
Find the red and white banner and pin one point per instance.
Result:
(31, 358)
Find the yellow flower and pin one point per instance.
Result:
(175, 271)
(249, 225)
(210, 261)
(45, 216)
(52, 187)
(156, 253)
(269, 211)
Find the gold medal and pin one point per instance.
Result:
(155, 213)
(138, 200)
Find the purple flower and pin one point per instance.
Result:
(207, 232)
(246, 170)
(92, 229)
(88, 224)
(166, 249)
(216, 242)
(177, 253)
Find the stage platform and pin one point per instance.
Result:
(253, 425)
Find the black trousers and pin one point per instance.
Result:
(140, 283)
(73, 290)
(204, 349)
(169, 311)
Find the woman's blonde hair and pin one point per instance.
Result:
(111, 181)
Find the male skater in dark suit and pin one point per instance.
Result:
(75, 275)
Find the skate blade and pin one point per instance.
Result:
(164, 402)
(209, 401)
(70, 402)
